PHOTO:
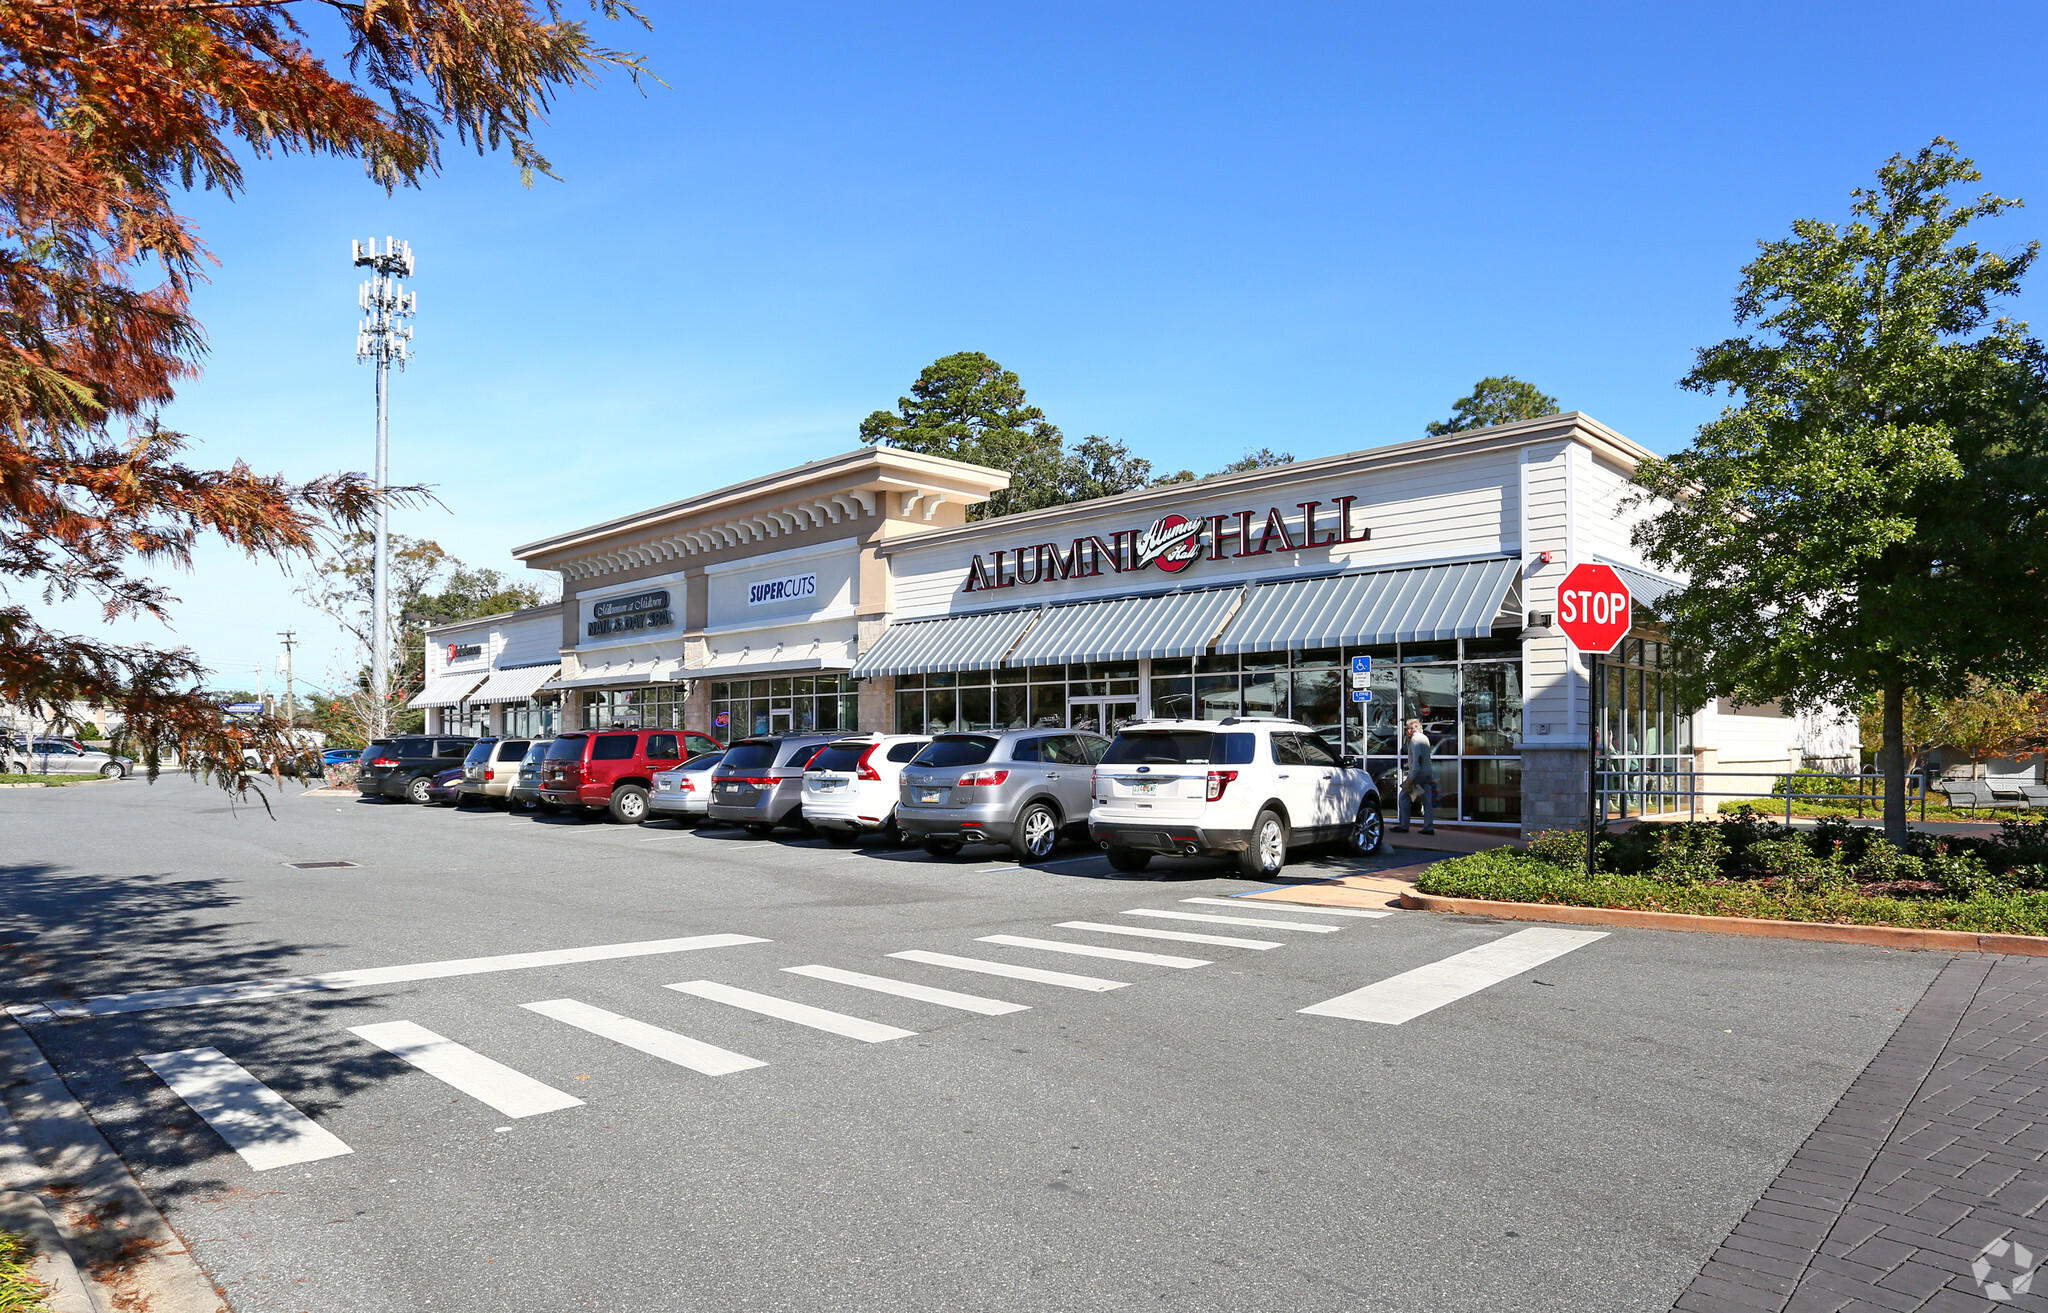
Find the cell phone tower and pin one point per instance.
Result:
(383, 339)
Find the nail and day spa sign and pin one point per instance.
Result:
(1171, 543)
(619, 615)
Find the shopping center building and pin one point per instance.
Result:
(853, 593)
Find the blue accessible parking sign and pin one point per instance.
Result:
(1361, 678)
(1361, 665)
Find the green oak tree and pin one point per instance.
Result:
(1501, 400)
(1869, 520)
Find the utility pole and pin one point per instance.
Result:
(381, 339)
(291, 716)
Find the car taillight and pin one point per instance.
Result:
(385, 761)
(490, 774)
(865, 771)
(1219, 780)
(983, 778)
(758, 781)
(689, 784)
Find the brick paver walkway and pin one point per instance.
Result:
(1939, 1149)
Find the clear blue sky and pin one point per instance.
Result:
(1198, 229)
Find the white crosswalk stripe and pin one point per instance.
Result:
(1234, 920)
(1005, 969)
(1090, 950)
(483, 1079)
(1313, 909)
(803, 1014)
(1427, 988)
(651, 1040)
(254, 1119)
(988, 1007)
(1181, 936)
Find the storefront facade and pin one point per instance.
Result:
(1352, 592)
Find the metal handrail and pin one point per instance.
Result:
(1666, 780)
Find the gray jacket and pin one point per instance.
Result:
(1421, 760)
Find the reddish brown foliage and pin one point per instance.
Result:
(105, 110)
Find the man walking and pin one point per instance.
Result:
(1421, 783)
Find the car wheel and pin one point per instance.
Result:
(1129, 859)
(1263, 857)
(1036, 835)
(416, 789)
(941, 847)
(1368, 832)
(892, 833)
(629, 804)
(758, 830)
(112, 771)
(837, 837)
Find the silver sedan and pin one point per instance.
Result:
(64, 757)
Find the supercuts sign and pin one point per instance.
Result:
(1170, 543)
(618, 615)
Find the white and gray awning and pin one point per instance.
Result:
(516, 684)
(1644, 589)
(1422, 604)
(613, 672)
(446, 690)
(961, 642)
(1127, 628)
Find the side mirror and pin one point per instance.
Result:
(1351, 762)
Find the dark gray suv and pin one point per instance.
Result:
(1022, 787)
(760, 784)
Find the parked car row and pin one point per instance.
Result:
(1244, 789)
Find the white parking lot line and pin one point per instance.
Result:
(254, 1119)
(1090, 950)
(488, 1081)
(803, 1014)
(250, 990)
(988, 1007)
(651, 1040)
(1427, 988)
(1244, 905)
(1184, 936)
(1234, 920)
(1005, 969)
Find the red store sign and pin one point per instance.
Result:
(1170, 543)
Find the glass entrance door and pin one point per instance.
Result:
(778, 720)
(1103, 716)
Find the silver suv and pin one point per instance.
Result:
(1022, 787)
(760, 784)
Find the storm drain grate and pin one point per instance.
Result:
(316, 866)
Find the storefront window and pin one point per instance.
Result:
(787, 704)
(529, 720)
(1646, 733)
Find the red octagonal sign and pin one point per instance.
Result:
(1593, 608)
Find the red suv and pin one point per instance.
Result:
(612, 769)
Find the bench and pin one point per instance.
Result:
(1967, 795)
(2035, 797)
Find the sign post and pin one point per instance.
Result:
(1595, 612)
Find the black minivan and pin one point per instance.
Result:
(406, 766)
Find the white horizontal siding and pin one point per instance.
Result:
(529, 640)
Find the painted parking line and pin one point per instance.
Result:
(1233, 920)
(1183, 936)
(254, 1119)
(487, 1081)
(803, 1014)
(1427, 988)
(1311, 908)
(976, 964)
(1041, 866)
(651, 1040)
(1091, 950)
(251, 990)
(988, 1007)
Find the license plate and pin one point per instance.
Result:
(730, 788)
(830, 784)
(930, 795)
(1145, 789)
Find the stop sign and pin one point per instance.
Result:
(1593, 608)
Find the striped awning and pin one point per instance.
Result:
(517, 684)
(1418, 605)
(601, 675)
(961, 642)
(1644, 589)
(445, 690)
(1127, 628)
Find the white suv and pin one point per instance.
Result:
(851, 786)
(1238, 788)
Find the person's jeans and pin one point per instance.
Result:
(1428, 788)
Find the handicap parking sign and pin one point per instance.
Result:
(1361, 695)
(1361, 665)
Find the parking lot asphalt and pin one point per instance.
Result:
(1580, 1133)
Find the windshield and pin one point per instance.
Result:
(537, 753)
(481, 753)
(956, 750)
(752, 755)
(703, 761)
(567, 748)
(840, 756)
(1178, 747)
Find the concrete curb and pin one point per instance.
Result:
(131, 1258)
(25, 1216)
(1876, 936)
